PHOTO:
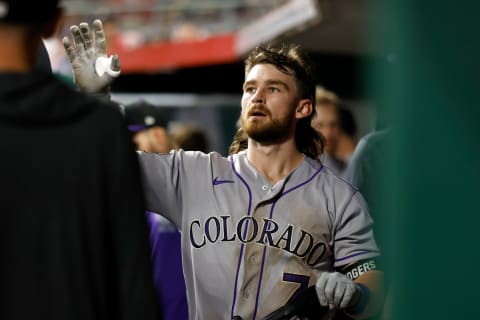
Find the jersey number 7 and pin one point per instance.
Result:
(296, 278)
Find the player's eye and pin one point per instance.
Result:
(249, 89)
(273, 89)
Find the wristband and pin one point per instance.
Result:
(356, 269)
(362, 301)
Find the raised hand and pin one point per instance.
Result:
(92, 70)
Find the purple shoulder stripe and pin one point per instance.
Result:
(353, 255)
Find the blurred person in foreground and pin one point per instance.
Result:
(327, 122)
(370, 171)
(148, 125)
(74, 242)
(347, 140)
(268, 222)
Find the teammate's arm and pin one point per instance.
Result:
(127, 236)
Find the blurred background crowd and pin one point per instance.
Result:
(186, 56)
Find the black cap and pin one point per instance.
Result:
(28, 11)
(142, 115)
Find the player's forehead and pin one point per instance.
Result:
(269, 73)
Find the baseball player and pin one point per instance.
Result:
(263, 224)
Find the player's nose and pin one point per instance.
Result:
(259, 96)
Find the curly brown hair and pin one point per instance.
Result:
(239, 143)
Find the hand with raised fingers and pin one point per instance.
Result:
(92, 70)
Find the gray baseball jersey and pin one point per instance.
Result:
(249, 246)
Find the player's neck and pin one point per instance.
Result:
(275, 161)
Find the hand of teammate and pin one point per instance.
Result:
(93, 71)
(336, 291)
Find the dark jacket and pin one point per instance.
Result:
(73, 238)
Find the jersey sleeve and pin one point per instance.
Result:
(354, 239)
(168, 180)
(162, 182)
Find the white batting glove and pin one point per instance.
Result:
(92, 70)
(336, 291)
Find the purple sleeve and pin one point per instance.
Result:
(167, 267)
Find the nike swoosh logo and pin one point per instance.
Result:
(217, 181)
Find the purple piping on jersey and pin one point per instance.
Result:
(265, 248)
(244, 234)
(352, 255)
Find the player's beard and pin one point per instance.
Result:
(267, 130)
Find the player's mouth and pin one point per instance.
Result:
(257, 112)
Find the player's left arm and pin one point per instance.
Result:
(356, 289)
(373, 302)
(369, 280)
(356, 285)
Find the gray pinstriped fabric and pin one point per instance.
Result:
(248, 246)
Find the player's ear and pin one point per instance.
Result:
(304, 108)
